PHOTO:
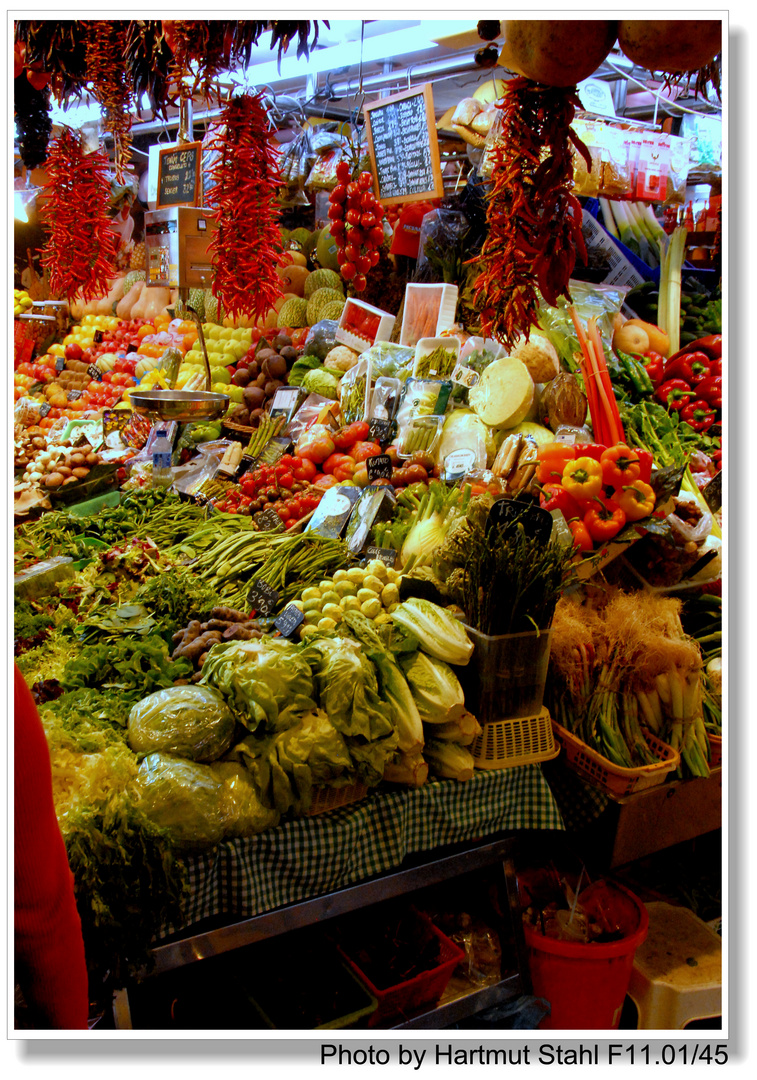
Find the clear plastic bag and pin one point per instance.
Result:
(602, 302)
(183, 797)
(355, 390)
(245, 814)
(192, 722)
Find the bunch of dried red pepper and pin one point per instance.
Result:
(534, 220)
(691, 382)
(247, 244)
(80, 253)
(112, 84)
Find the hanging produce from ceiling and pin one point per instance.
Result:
(246, 179)
(80, 253)
(112, 83)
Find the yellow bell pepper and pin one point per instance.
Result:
(636, 500)
(582, 478)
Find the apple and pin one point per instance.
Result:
(224, 333)
(73, 351)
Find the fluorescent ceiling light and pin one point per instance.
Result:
(383, 47)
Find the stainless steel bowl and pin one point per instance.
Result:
(186, 406)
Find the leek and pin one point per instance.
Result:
(654, 230)
(625, 228)
(645, 250)
(647, 240)
(608, 218)
(669, 303)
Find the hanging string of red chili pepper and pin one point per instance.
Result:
(246, 246)
(80, 253)
(356, 224)
(112, 83)
(534, 221)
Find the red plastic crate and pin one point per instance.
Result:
(406, 999)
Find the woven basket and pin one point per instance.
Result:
(237, 432)
(613, 779)
(327, 798)
(522, 740)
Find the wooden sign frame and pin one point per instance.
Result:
(417, 196)
(170, 150)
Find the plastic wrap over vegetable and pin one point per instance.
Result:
(348, 688)
(435, 687)
(184, 797)
(390, 359)
(192, 722)
(264, 682)
(245, 813)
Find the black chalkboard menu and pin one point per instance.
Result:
(403, 146)
(179, 175)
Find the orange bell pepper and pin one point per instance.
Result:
(552, 458)
(620, 466)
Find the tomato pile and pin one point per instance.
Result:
(356, 225)
(284, 487)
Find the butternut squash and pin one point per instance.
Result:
(105, 306)
(151, 303)
(125, 305)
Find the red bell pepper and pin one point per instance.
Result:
(581, 536)
(712, 345)
(646, 460)
(604, 520)
(592, 450)
(693, 367)
(711, 391)
(698, 415)
(716, 366)
(557, 498)
(674, 393)
(655, 367)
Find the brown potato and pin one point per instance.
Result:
(54, 480)
(80, 473)
(77, 459)
(70, 480)
(92, 458)
(64, 470)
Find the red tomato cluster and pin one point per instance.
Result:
(99, 395)
(284, 487)
(356, 225)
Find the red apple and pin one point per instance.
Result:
(73, 351)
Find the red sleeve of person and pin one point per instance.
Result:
(50, 967)
(407, 232)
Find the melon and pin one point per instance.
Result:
(557, 52)
(293, 313)
(318, 301)
(322, 279)
(670, 45)
(197, 301)
(333, 310)
(325, 250)
(293, 278)
(132, 277)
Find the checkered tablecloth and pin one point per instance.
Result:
(313, 856)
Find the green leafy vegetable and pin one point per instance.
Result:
(192, 722)
(440, 634)
(176, 596)
(436, 689)
(134, 666)
(185, 798)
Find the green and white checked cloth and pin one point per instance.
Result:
(310, 857)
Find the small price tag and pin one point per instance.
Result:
(98, 337)
(73, 395)
(60, 363)
(94, 373)
(458, 463)
(274, 450)
(388, 556)
(247, 464)
(536, 521)
(288, 621)
(285, 402)
(380, 431)
(465, 376)
(44, 409)
(132, 347)
(262, 597)
(269, 521)
(379, 467)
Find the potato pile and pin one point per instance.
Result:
(61, 466)
(261, 374)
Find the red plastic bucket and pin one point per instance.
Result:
(585, 984)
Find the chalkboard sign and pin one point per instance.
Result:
(379, 467)
(536, 521)
(403, 147)
(94, 373)
(388, 556)
(263, 598)
(179, 175)
(269, 521)
(60, 363)
(288, 621)
(380, 430)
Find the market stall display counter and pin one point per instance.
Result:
(392, 844)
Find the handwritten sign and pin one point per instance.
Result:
(94, 373)
(536, 521)
(289, 620)
(179, 175)
(379, 467)
(388, 556)
(403, 147)
(262, 597)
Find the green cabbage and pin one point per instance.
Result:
(285, 766)
(190, 721)
(435, 687)
(183, 797)
(320, 381)
(348, 688)
(266, 681)
(244, 811)
(440, 634)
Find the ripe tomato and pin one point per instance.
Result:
(363, 450)
(304, 470)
